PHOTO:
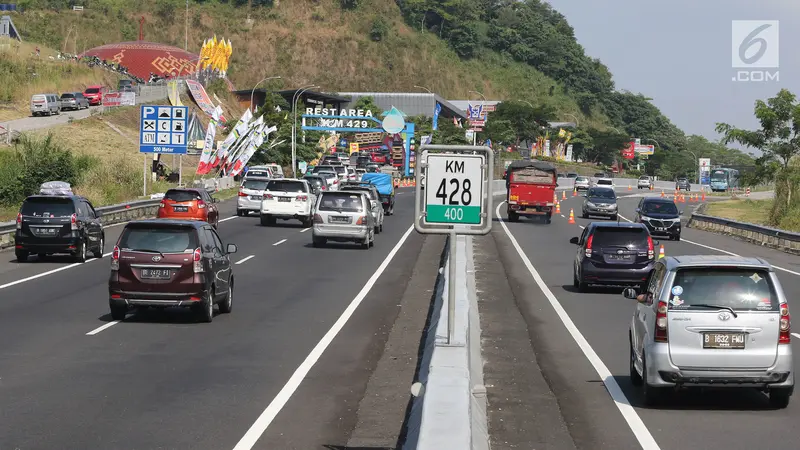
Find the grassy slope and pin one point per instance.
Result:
(24, 74)
(309, 41)
(752, 211)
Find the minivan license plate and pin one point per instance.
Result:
(284, 199)
(723, 340)
(340, 219)
(156, 274)
(619, 257)
(180, 208)
(47, 231)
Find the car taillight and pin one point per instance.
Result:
(589, 246)
(115, 258)
(19, 221)
(301, 198)
(362, 220)
(786, 325)
(661, 322)
(201, 204)
(73, 222)
(324, 187)
(198, 260)
(651, 249)
(242, 194)
(318, 218)
(162, 205)
(267, 197)
(336, 181)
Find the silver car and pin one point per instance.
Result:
(343, 217)
(581, 183)
(712, 321)
(372, 192)
(251, 192)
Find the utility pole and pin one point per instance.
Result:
(186, 38)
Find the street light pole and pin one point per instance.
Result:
(254, 89)
(483, 104)
(576, 119)
(297, 94)
(423, 87)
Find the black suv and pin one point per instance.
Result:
(683, 183)
(661, 217)
(614, 254)
(48, 224)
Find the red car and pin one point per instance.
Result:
(94, 94)
(379, 158)
(189, 204)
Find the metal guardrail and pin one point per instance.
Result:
(753, 228)
(9, 227)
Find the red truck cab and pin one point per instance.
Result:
(531, 189)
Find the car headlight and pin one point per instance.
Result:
(590, 204)
(613, 206)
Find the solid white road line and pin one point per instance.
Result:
(268, 415)
(99, 329)
(304, 230)
(228, 218)
(279, 242)
(245, 259)
(721, 251)
(630, 415)
(796, 335)
(49, 272)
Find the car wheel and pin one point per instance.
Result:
(575, 282)
(584, 215)
(100, 247)
(265, 222)
(41, 256)
(318, 242)
(82, 254)
(21, 255)
(636, 379)
(118, 312)
(365, 244)
(239, 212)
(372, 241)
(779, 398)
(678, 237)
(206, 311)
(227, 304)
(512, 216)
(652, 395)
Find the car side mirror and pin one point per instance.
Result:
(656, 243)
(630, 293)
(574, 240)
(638, 210)
(680, 213)
(98, 214)
(214, 200)
(232, 248)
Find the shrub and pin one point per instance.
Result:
(380, 29)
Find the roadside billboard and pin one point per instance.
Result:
(119, 99)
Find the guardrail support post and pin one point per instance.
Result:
(451, 288)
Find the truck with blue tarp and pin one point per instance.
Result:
(383, 182)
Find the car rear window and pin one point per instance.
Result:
(738, 288)
(47, 207)
(340, 169)
(620, 237)
(256, 185)
(370, 193)
(605, 182)
(602, 193)
(341, 201)
(159, 238)
(286, 186)
(659, 208)
(92, 90)
(315, 180)
(67, 95)
(581, 178)
(182, 196)
(323, 167)
(644, 178)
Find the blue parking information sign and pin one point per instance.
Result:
(162, 129)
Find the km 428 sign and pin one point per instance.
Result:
(454, 189)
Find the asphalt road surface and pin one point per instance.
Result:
(581, 344)
(287, 369)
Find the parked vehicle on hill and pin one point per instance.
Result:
(94, 94)
(45, 105)
(73, 100)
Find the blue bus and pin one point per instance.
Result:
(723, 179)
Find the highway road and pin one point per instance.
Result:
(285, 370)
(581, 344)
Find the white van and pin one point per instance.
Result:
(45, 104)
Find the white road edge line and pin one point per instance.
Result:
(721, 251)
(49, 272)
(279, 242)
(304, 230)
(630, 415)
(228, 218)
(268, 415)
(796, 335)
(245, 259)
(99, 329)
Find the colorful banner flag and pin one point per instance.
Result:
(173, 94)
(258, 139)
(238, 131)
(241, 145)
(202, 99)
(205, 158)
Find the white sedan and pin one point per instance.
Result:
(288, 199)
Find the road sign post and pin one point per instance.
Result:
(162, 130)
(453, 197)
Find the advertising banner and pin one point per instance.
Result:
(200, 96)
(629, 152)
(119, 99)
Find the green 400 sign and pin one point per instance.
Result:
(454, 189)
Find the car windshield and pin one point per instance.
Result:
(92, 90)
(581, 179)
(682, 180)
(177, 195)
(67, 95)
(370, 193)
(286, 186)
(602, 193)
(327, 174)
(47, 207)
(644, 178)
(326, 168)
(256, 185)
(161, 239)
(340, 169)
(341, 201)
(719, 175)
(620, 237)
(730, 287)
(659, 208)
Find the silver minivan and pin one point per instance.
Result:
(712, 321)
(343, 217)
(45, 105)
(372, 192)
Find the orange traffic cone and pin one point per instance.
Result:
(652, 187)
(563, 195)
(704, 196)
(555, 197)
(558, 208)
(630, 187)
(662, 193)
(574, 192)
(571, 216)
(661, 252)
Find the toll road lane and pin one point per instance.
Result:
(603, 316)
(194, 385)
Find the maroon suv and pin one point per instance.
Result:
(163, 263)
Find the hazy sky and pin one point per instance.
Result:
(678, 53)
